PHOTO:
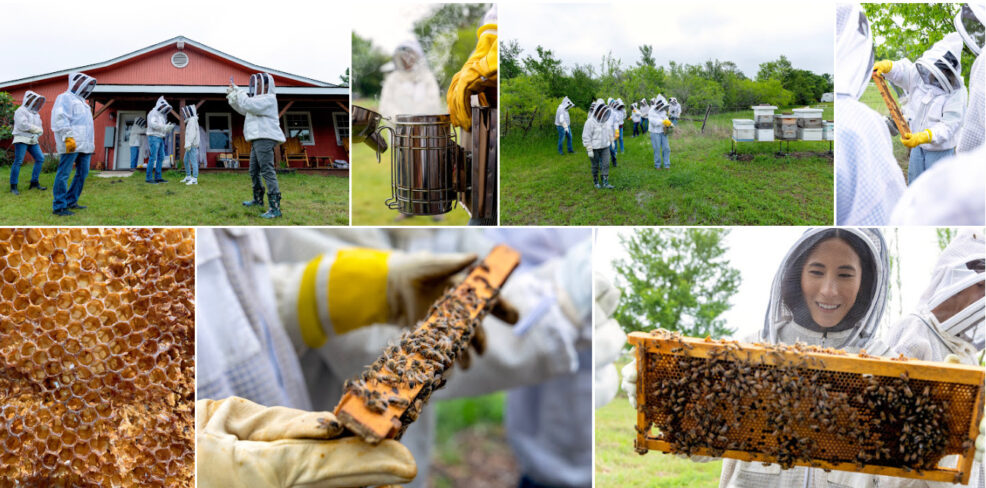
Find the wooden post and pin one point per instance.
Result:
(707, 110)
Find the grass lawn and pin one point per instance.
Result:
(871, 98)
(471, 448)
(371, 188)
(703, 186)
(618, 465)
(307, 200)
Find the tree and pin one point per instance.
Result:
(448, 36)
(677, 279)
(7, 108)
(774, 70)
(547, 72)
(510, 64)
(945, 236)
(646, 56)
(907, 30)
(345, 77)
(367, 60)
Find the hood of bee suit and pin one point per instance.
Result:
(566, 103)
(188, 111)
(140, 122)
(33, 101)
(787, 318)
(941, 65)
(81, 84)
(162, 106)
(968, 23)
(601, 112)
(854, 52)
(409, 55)
(959, 267)
(659, 102)
(261, 84)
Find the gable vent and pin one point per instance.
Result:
(179, 60)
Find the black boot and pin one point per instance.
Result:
(36, 184)
(275, 206)
(13, 189)
(258, 197)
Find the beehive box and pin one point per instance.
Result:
(388, 396)
(804, 406)
(810, 134)
(97, 371)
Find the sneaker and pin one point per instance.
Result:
(597, 186)
(192, 181)
(64, 212)
(150, 181)
(77, 206)
(185, 179)
(161, 180)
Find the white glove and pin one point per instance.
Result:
(590, 152)
(169, 127)
(608, 340)
(981, 438)
(629, 382)
(565, 126)
(231, 88)
(240, 444)
(36, 130)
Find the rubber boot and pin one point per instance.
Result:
(36, 184)
(275, 206)
(258, 197)
(13, 189)
(606, 184)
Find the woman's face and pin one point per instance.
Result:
(830, 281)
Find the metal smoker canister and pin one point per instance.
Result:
(422, 162)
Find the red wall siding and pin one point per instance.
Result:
(155, 68)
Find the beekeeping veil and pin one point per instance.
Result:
(969, 24)
(941, 65)
(788, 318)
(162, 106)
(960, 266)
(566, 103)
(188, 111)
(140, 122)
(81, 84)
(853, 50)
(408, 55)
(601, 111)
(33, 101)
(660, 103)
(261, 84)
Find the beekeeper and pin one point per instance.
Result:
(644, 115)
(262, 129)
(969, 24)
(620, 111)
(137, 140)
(192, 140)
(26, 131)
(658, 138)
(608, 339)
(563, 123)
(72, 124)
(674, 110)
(868, 180)
(290, 334)
(597, 136)
(949, 194)
(635, 118)
(158, 129)
(935, 102)
(830, 291)
(411, 88)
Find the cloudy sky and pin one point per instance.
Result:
(388, 24)
(691, 32)
(757, 252)
(309, 38)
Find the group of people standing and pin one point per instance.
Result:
(602, 134)
(73, 127)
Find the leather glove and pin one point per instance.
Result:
(565, 126)
(231, 88)
(884, 66)
(667, 123)
(241, 444)
(981, 438)
(37, 130)
(169, 127)
(70, 145)
(915, 139)
(589, 151)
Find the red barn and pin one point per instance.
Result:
(188, 72)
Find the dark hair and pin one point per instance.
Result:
(794, 297)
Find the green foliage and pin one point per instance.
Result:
(907, 30)
(806, 87)
(745, 92)
(345, 77)
(676, 279)
(945, 235)
(7, 108)
(774, 70)
(367, 60)
(448, 36)
(646, 56)
(510, 64)
(692, 90)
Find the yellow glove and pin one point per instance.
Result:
(667, 123)
(883, 66)
(477, 74)
(914, 139)
(616, 134)
(70, 145)
(242, 444)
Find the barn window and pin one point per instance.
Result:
(220, 135)
(179, 59)
(299, 124)
(342, 126)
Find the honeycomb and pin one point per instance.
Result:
(723, 397)
(97, 357)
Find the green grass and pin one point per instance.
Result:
(703, 187)
(307, 200)
(371, 188)
(871, 98)
(618, 465)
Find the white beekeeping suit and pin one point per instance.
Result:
(607, 341)
(634, 113)
(868, 179)
(658, 114)
(411, 88)
(27, 121)
(950, 193)
(138, 132)
(936, 96)
(561, 113)
(546, 349)
(71, 116)
(258, 106)
(969, 24)
(596, 133)
(674, 108)
(157, 119)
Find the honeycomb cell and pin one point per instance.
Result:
(94, 354)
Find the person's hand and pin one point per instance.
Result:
(589, 152)
(629, 382)
(169, 127)
(884, 66)
(667, 123)
(915, 139)
(241, 444)
(231, 88)
(37, 130)
(70, 145)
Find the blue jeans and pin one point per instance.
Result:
(64, 195)
(921, 160)
(636, 129)
(192, 162)
(564, 135)
(620, 140)
(134, 156)
(659, 141)
(19, 150)
(155, 159)
(644, 125)
(674, 120)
